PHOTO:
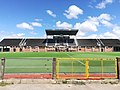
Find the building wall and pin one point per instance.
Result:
(88, 49)
(14, 49)
(17, 49)
(26, 49)
(96, 49)
(73, 49)
(81, 49)
(42, 49)
(34, 49)
(51, 49)
(108, 49)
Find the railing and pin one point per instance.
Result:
(86, 68)
(60, 68)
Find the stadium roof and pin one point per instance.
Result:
(62, 32)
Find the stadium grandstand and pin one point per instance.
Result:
(59, 41)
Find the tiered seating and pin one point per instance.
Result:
(71, 42)
(111, 42)
(87, 42)
(10, 42)
(35, 42)
(50, 42)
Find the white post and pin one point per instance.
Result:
(2, 49)
(38, 49)
(85, 49)
(93, 49)
(30, 48)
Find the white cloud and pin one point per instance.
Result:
(36, 24)
(63, 25)
(106, 23)
(116, 30)
(37, 19)
(89, 25)
(114, 34)
(105, 19)
(103, 4)
(93, 36)
(102, 19)
(105, 16)
(80, 33)
(105, 35)
(25, 25)
(28, 26)
(51, 13)
(109, 35)
(73, 12)
(4, 34)
(92, 24)
(85, 27)
(18, 35)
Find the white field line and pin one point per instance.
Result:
(77, 60)
(90, 66)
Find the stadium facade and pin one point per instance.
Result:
(59, 41)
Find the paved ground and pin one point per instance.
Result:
(49, 84)
(61, 87)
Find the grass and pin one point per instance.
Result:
(61, 54)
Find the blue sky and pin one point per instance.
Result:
(30, 18)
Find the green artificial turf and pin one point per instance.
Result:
(61, 54)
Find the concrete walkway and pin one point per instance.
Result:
(61, 87)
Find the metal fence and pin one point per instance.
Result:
(29, 68)
(86, 68)
(60, 68)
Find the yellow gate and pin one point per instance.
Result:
(85, 68)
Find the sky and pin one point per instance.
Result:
(30, 18)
